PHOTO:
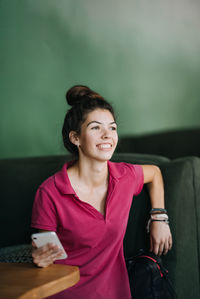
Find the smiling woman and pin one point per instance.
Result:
(83, 101)
(85, 203)
(98, 138)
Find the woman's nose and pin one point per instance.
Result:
(105, 133)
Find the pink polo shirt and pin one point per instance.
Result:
(92, 241)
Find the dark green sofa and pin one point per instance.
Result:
(171, 144)
(19, 179)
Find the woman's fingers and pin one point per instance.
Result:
(170, 242)
(33, 244)
(160, 238)
(151, 244)
(46, 255)
(48, 260)
(156, 248)
(159, 247)
(168, 245)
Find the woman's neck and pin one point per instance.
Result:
(92, 173)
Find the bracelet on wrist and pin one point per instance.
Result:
(158, 220)
(160, 216)
(157, 211)
(155, 220)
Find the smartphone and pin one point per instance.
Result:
(41, 239)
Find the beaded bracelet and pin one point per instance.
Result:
(164, 220)
(160, 216)
(159, 210)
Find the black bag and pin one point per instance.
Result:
(148, 278)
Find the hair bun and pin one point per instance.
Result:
(78, 93)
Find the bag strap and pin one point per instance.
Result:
(158, 262)
(155, 261)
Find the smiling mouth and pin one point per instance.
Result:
(104, 146)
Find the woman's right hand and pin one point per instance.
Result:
(45, 255)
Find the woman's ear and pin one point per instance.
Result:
(73, 137)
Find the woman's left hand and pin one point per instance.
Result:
(160, 238)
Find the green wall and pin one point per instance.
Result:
(143, 56)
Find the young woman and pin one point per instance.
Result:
(87, 203)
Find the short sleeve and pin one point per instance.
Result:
(138, 177)
(43, 212)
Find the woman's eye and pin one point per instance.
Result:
(113, 128)
(95, 128)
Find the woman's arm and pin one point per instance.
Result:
(160, 235)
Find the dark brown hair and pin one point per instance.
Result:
(83, 100)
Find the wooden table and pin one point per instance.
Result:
(26, 281)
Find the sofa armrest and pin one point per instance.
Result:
(182, 186)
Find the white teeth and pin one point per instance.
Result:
(105, 145)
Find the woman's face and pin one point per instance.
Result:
(98, 138)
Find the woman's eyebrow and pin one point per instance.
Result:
(98, 122)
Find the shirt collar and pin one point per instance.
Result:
(62, 182)
(116, 170)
